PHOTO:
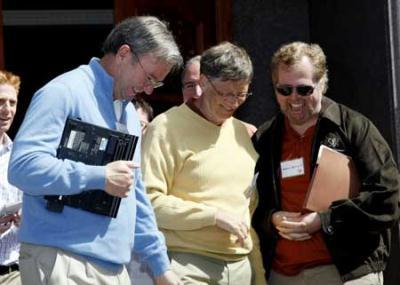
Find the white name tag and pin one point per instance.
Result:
(291, 168)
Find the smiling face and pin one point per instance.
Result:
(215, 107)
(301, 111)
(136, 75)
(8, 107)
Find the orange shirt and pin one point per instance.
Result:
(292, 257)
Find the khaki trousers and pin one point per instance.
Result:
(12, 278)
(194, 269)
(325, 274)
(48, 265)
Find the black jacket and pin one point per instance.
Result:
(357, 230)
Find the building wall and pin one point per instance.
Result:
(261, 26)
(355, 36)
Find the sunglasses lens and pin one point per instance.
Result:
(304, 90)
(284, 90)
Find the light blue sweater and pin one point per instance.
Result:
(85, 93)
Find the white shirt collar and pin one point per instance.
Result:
(6, 144)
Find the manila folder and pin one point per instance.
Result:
(335, 177)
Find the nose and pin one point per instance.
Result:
(198, 90)
(294, 94)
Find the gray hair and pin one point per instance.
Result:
(226, 61)
(145, 34)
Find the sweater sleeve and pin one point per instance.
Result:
(34, 167)
(149, 242)
(160, 163)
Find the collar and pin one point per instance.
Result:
(190, 105)
(198, 116)
(293, 135)
(6, 145)
(105, 80)
(330, 110)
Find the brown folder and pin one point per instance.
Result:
(335, 177)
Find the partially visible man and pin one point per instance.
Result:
(145, 113)
(200, 191)
(190, 79)
(349, 242)
(9, 223)
(75, 245)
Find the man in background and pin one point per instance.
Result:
(9, 222)
(190, 79)
(145, 113)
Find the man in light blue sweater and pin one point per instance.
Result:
(77, 246)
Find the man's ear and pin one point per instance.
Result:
(203, 81)
(123, 52)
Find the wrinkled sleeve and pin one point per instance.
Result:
(149, 241)
(160, 162)
(33, 166)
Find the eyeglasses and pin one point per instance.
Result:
(239, 96)
(302, 90)
(154, 83)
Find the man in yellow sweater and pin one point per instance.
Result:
(198, 164)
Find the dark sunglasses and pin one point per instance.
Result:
(302, 90)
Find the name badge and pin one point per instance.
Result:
(291, 168)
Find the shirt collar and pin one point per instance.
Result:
(6, 145)
(106, 80)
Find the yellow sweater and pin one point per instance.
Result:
(192, 168)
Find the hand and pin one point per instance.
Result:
(294, 226)
(119, 178)
(168, 278)
(5, 223)
(312, 222)
(233, 225)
